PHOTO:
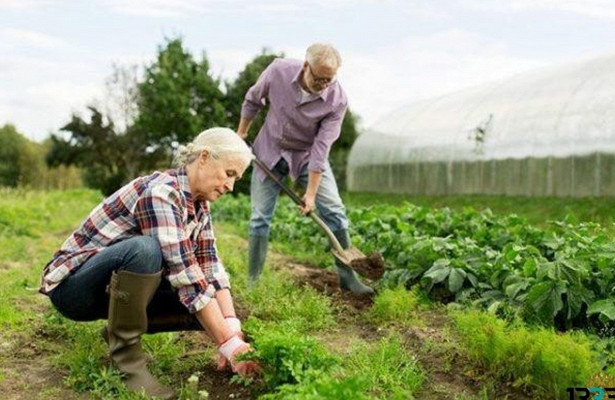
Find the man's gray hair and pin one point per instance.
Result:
(323, 54)
(219, 143)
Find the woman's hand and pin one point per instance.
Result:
(229, 350)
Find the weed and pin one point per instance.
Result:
(396, 306)
(540, 358)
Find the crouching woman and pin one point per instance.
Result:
(145, 260)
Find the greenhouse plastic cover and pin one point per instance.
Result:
(555, 112)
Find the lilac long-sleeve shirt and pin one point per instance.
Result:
(299, 131)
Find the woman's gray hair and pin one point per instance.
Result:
(323, 54)
(219, 143)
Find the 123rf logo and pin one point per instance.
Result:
(592, 393)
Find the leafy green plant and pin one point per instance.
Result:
(323, 386)
(562, 275)
(287, 357)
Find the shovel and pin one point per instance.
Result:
(371, 267)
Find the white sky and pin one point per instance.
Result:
(56, 54)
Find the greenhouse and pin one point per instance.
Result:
(549, 132)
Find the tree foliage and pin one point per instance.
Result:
(12, 145)
(341, 148)
(176, 98)
(236, 90)
(93, 145)
(22, 164)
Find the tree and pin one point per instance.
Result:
(96, 147)
(16, 157)
(121, 96)
(11, 146)
(177, 99)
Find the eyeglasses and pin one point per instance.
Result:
(321, 80)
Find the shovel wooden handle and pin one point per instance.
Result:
(334, 242)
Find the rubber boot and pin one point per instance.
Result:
(129, 295)
(348, 277)
(257, 254)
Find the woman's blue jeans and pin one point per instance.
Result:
(83, 296)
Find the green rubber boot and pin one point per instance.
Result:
(256, 258)
(129, 295)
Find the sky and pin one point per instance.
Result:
(55, 55)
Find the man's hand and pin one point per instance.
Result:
(309, 199)
(309, 204)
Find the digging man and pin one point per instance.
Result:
(306, 110)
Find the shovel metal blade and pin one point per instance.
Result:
(348, 255)
(371, 267)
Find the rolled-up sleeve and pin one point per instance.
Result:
(159, 214)
(256, 96)
(207, 256)
(328, 132)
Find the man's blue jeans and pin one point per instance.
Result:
(83, 297)
(264, 196)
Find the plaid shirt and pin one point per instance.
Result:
(159, 205)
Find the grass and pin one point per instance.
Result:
(274, 298)
(391, 370)
(397, 306)
(34, 224)
(31, 225)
